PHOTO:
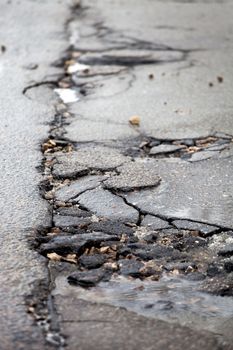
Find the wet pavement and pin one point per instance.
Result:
(134, 234)
(138, 171)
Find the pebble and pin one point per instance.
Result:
(89, 278)
(165, 148)
(92, 261)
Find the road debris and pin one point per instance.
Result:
(135, 120)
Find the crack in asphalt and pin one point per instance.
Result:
(37, 84)
(57, 132)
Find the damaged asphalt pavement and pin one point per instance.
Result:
(116, 175)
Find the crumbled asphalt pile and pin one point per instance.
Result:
(100, 230)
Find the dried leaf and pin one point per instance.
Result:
(134, 120)
(54, 256)
(70, 258)
(49, 195)
(114, 266)
(104, 249)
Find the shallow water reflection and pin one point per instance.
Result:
(171, 299)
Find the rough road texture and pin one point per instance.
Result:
(137, 175)
(25, 60)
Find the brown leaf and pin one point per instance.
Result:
(104, 250)
(70, 258)
(54, 256)
(134, 120)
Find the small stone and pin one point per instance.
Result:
(164, 149)
(31, 66)
(228, 265)
(184, 267)
(89, 278)
(156, 252)
(76, 244)
(151, 238)
(202, 155)
(92, 261)
(155, 143)
(130, 267)
(151, 268)
(213, 270)
(49, 195)
(188, 142)
(227, 251)
(124, 251)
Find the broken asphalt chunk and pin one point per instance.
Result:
(76, 243)
(130, 267)
(205, 229)
(92, 261)
(68, 221)
(227, 251)
(107, 205)
(72, 190)
(133, 175)
(164, 148)
(79, 162)
(89, 278)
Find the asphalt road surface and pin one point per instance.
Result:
(116, 174)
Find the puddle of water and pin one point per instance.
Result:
(67, 95)
(171, 299)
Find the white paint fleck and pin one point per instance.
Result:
(67, 95)
(77, 67)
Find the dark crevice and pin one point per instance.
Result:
(170, 220)
(128, 61)
(35, 85)
(89, 321)
(40, 306)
